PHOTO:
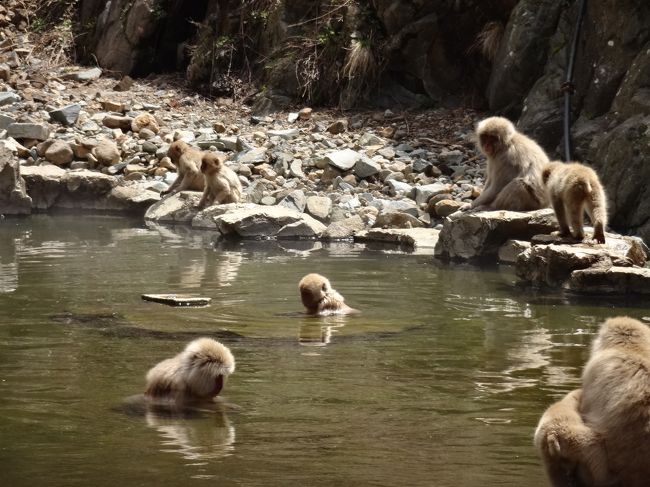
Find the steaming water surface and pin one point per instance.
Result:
(439, 381)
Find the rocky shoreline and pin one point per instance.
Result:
(73, 139)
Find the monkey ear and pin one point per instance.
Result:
(546, 173)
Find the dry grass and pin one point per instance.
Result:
(488, 40)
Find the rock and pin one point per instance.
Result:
(344, 229)
(284, 134)
(43, 184)
(12, 144)
(107, 152)
(338, 127)
(149, 146)
(268, 201)
(479, 235)
(371, 139)
(13, 193)
(619, 280)
(423, 193)
(145, 121)
(59, 153)
(9, 98)
(343, 160)
(26, 130)
(305, 113)
(400, 188)
(366, 167)
(295, 169)
(6, 120)
(124, 84)
(396, 219)
(66, 115)
(132, 198)
(113, 106)
(295, 200)
(117, 122)
(553, 264)
(509, 251)
(177, 208)
(319, 207)
(446, 207)
(451, 157)
(253, 156)
(420, 240)
(85, 75)
(249, 221)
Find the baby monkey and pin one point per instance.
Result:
(222, 184)
(196, 374)
(573, 188)
(320, 299)
(187, 160)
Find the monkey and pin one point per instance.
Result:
(573, 453)
(222, 184)
(573, 188)
(514, 168)
(320, 299)
(616, 397)
(196, 374)
(188, 165)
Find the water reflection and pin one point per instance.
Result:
(318, 331)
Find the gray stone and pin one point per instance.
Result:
(253, 156)
(400, 188)
(180, 207)
(419, 240)
(319, 207)
(149, 147)
(295, 200)
(451, 157)
(404, 206)
(132, 198)
(85, 75)
(345, 229)
(343, 160)
(397, 219)
(59, 153)
(423, 193)
(43, 184)
(366, 167)
(613, 280)
(284, 134)
(268, 201)
(479, 235)
(13, 193)
(420, 165)
(26, 130)
(371, 139)
(9, 98)
(6, 120)
(295, 169)
(509, 251)
(66, 115)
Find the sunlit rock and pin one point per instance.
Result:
(421, 240)
(477, 235)
(177, 208)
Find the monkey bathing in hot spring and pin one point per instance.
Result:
(320, 299)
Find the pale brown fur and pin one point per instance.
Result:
(222, 184)
(572, 189)
(187, 160)
(514, 168)
(573, 453)
(616, 398)
(198, 373)
(319, 298)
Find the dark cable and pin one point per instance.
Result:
(568, 87)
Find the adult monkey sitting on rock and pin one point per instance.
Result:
(514, 168)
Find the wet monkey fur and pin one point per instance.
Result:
(196, 374)
(187, 160)
(320, 299)
(573, 453)
(514, 168)
(574, 188)
(222, 184)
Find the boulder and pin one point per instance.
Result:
(344, 229)
(344, 160)
(59, 152)
(419, 240)
(319, 207)
(612, 280)
(66, 115)
(13, 194)
(27, 130)
(177, 208)
(479, 235)
(43, 184)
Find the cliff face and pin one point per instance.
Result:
(414, 53)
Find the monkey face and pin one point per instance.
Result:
(489, 143)
(313, 289)
(176, 149)
(211, 164)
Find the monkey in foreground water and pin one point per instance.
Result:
(573, 453)
(574, 188)
(514, 168)
(196, 374)
(187, 160)
(222, 184)
(320, 299)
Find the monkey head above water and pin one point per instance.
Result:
(196, 374)
(320, 298)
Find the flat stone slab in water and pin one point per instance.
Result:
(177, 299)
